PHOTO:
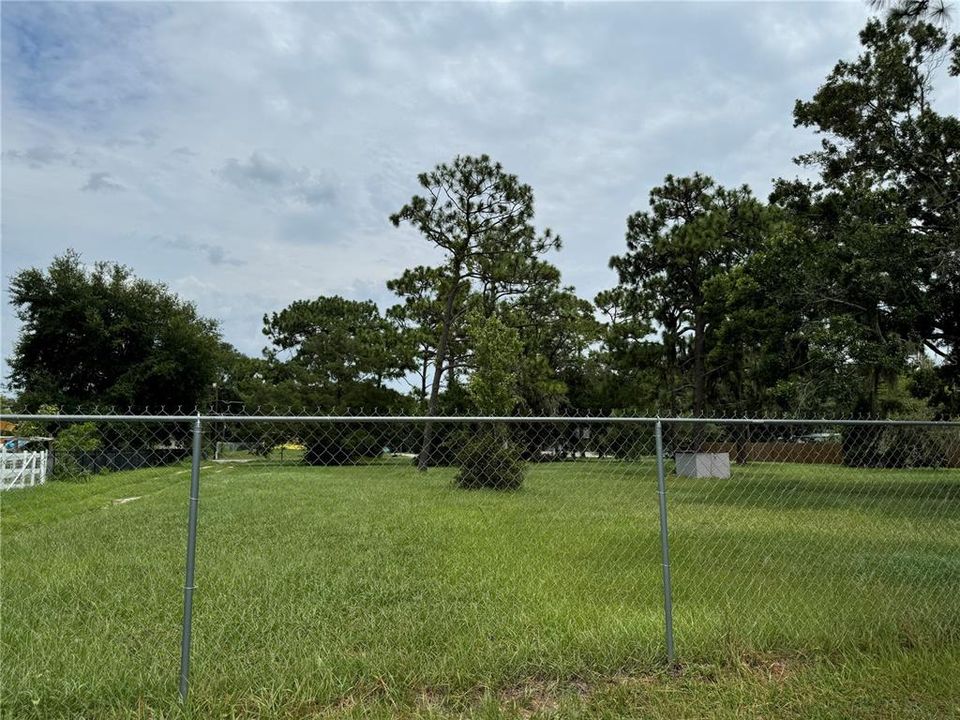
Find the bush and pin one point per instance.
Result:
(893, 446)
(489, 459)
(71, 447)
(914, 447)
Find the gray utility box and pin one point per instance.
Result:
(703, 464)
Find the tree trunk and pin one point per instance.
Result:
(423, 378)
(670, 378)
(670, 364)
(423, 459)
(699, 376)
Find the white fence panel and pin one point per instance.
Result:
(22, 469)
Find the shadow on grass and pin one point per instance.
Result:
(901, 497)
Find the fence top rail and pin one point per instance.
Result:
(415, 419)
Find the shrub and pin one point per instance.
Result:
(893, 446)
(914, 447)
(489, 459)
(71, 449)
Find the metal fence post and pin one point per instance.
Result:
(191, 554)
(664, 546)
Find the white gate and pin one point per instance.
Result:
(22, 469)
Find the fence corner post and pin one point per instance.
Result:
(664, 546)
(188, 585)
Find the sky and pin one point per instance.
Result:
(249, 154)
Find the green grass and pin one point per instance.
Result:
(800, 591)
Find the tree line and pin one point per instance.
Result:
(834, 296)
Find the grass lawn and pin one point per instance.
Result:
(800, 591)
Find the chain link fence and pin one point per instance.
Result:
(343, 555)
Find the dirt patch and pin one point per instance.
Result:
(347, 702)
(431, 699)
(534, 697)
(625, 679)
(544, 698)
(769, 667)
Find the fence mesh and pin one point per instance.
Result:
(338, 557)
(821, 538)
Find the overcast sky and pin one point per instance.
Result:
(249, 154)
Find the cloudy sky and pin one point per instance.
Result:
(249, 154)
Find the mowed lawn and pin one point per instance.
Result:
(373, 590)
